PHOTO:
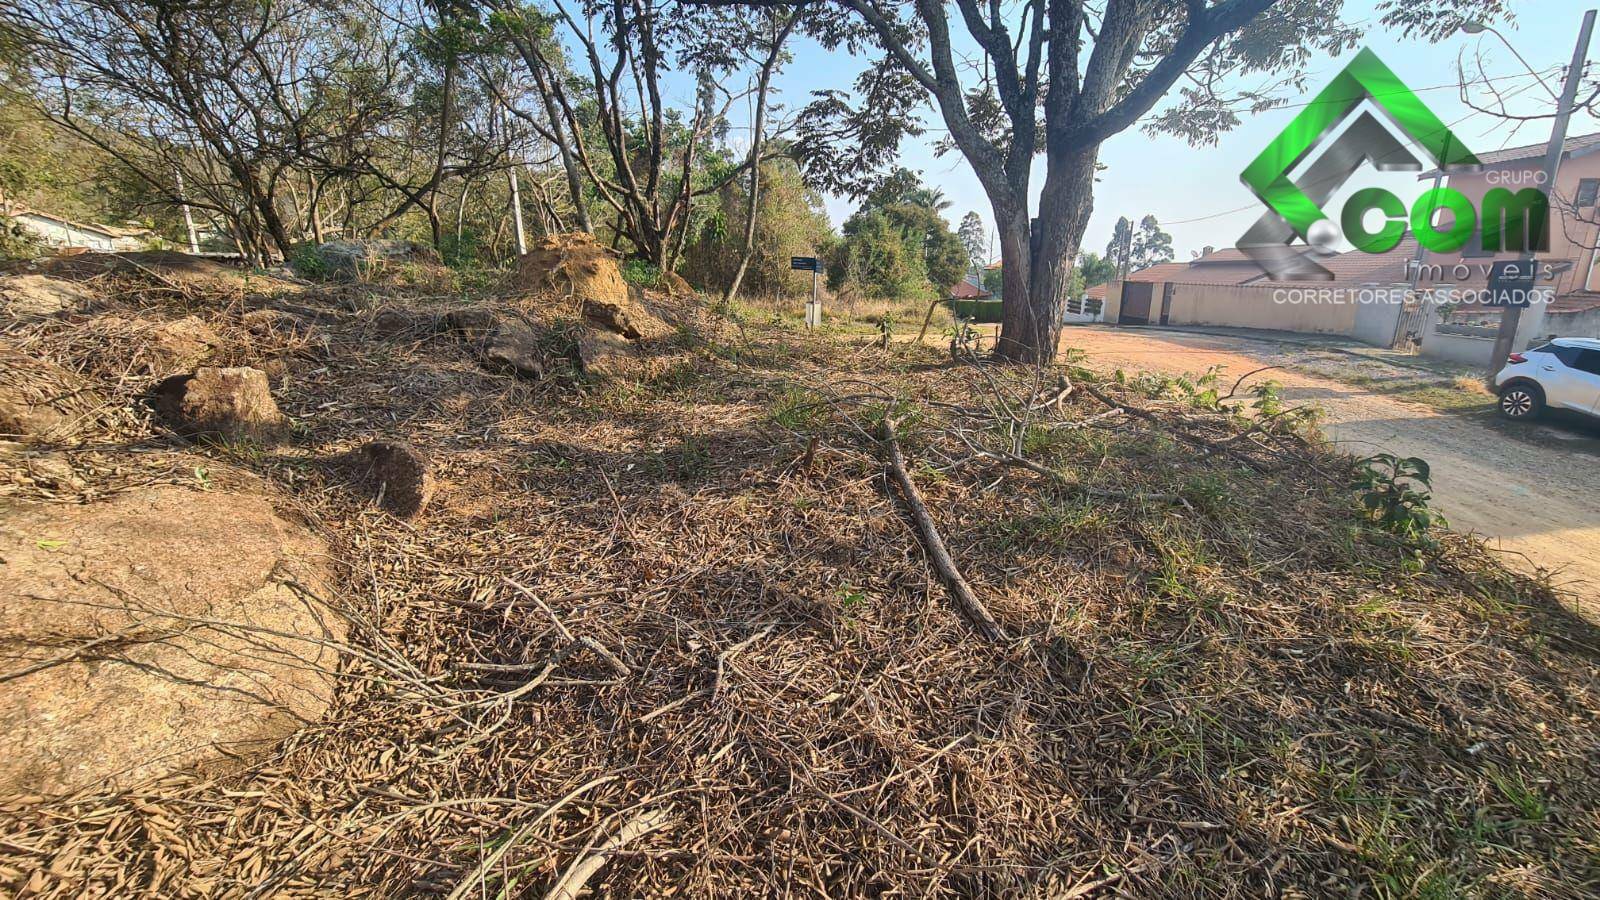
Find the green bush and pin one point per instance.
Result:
(641, 272)
(15, 243)
(307, 262)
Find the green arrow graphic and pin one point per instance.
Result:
(1366, 77)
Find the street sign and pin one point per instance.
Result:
(805, 264)
(1511, 283)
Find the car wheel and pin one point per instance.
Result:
(1521, 401)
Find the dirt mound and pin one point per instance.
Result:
(41, 401)
(221, 404)
(399, 474)
(161, 265)
(160, 629)
(574, 267)
(677, 285)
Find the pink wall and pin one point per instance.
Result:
(1570, 238)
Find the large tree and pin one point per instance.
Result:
(1150, 244)
(1058, 77)
(975, 238)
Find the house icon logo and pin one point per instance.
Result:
(1295, 205)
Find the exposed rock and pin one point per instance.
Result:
(676, 285)
(54, 470)
(158, 630)
(471, 323)
(227, 404)
(631, 320)
(514, 348)
(122, 345)
(399, 473)
(40, 401)
(269, 322)
(40, 296)
(391, 321)
(602, 354)
(352, 260)
(183, 343)
(575, 266)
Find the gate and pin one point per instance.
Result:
(1409, 326)
(1136, 297)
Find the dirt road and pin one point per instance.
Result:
(1538, 500)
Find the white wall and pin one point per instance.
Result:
(58, 234)
(1376, 322)
(1246, 306)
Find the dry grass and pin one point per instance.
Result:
(687, 613)
(848, 312)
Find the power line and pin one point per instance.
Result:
(1257, 205)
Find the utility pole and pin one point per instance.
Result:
(188, 217)
(1511, 316)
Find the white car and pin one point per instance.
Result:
(1563, 374)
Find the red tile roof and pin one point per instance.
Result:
(1574, 147)
(1230, 266)
(966, 290)
(1575, 302)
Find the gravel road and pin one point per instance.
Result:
(1534, 495)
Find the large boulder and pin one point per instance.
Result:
(221, 404)
(359, 260)
(40, 401)
(577, 269)
(513, 347)
(154, 631)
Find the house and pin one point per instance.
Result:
(969, 289)
(1407, 293)
(58, 231)
(1226, 288)
(1465, 332)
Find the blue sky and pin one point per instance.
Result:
(1195, 191)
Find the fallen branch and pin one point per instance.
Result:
(584, 867)
(1169, 428)
(960, 591)
(476, 879)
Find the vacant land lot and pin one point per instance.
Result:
(1531, 491)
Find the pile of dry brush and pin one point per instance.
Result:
(800, 616)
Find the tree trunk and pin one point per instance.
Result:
(752, 206)
(1015, 262)
(1031, 331)
(447, 101)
